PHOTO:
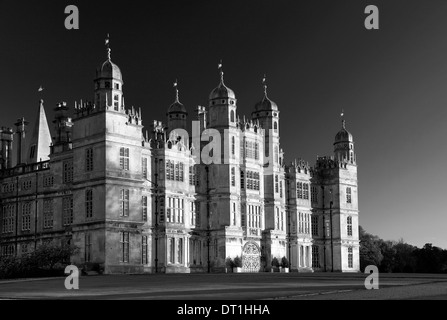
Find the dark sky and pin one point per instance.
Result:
(318, 57)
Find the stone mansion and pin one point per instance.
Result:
(145, 201)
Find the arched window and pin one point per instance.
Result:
(232, 116)
(275, 126)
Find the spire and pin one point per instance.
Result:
(39, 144)
(176, 91)
(343, 121)
(220, 67)
(264, 84)
(108, 47)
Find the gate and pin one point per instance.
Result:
(251, 258)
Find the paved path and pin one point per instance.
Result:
(231, 286)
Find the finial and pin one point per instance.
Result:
(220, 67)
(343, 121)
(176, 91)
(108, 47)
(264, 83)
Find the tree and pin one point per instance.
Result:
(370, 253)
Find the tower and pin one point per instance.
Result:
(21, 134)
(267, 114)
(6, 138)
(39, 144)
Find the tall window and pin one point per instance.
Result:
(315, 226)
(124, 159)
(315, 257)
(233, 146)
(180, 250)
(89, 159)
(89, 203)
(242, 180)
(88, 247)
(144, 167)
(276, 154)
(305, 191)
(350, 258)
(299, 190)
(280, 189)
(144, 208)
(175, 210)
(8, 219)
(125, 247)
(253, 180)
(67, 209)
(232, 116)
(171, 258)
(233, 215)
(193, 177)
(277, 218)
(68, 172)
(314, 195)
(26, 216)
(124, 199)
(175, 171)
(276, 184)
(144, 259)
(195, 213)
(48, 214)
(256, 151)
(233, 177)
(349, 224)
(348, 195)
(275, 126)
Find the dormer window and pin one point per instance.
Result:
(117, 86)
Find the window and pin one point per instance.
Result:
(175, 171)
(242, 180)
(24, 248)
(305, 191)
(243, 218)
(233, 177)
(276, 154)
(32, 151)
(280, 189)
(276, 184)
(232, 116)
(275, 126)
(350, 258)
(8, 219)
(256, 151)
(315, 257)
(144, 258)
(171, 250)
(68, 172)
(48, 181)
(251, 150)
(88, 247)
(125, 247)
(277, 218)
(124, 159)
(89, 203)
(233, 215)
(7, 251)
(67, 209)
(144, 167)
(48, 214)
(117, 86)
(314, 195)
(124, 199)
(89, 159)
(349, 221)
(180, 251)
(26, 185)
(282, 221)
(233, 145)
(175, 210)
(315, 226)
(144, 208)
(299, 190)
(348, 195)
(26, 216)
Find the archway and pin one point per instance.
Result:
(251, 258)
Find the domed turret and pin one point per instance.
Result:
(266, 104)
(221, 91)
(109, 85)
(176, 113)
(344, 145)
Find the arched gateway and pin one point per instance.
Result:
(251, 258)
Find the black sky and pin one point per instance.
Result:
(318, 57)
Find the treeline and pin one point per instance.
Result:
(400, 257)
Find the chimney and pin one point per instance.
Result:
(6, 137)
(21, 133)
